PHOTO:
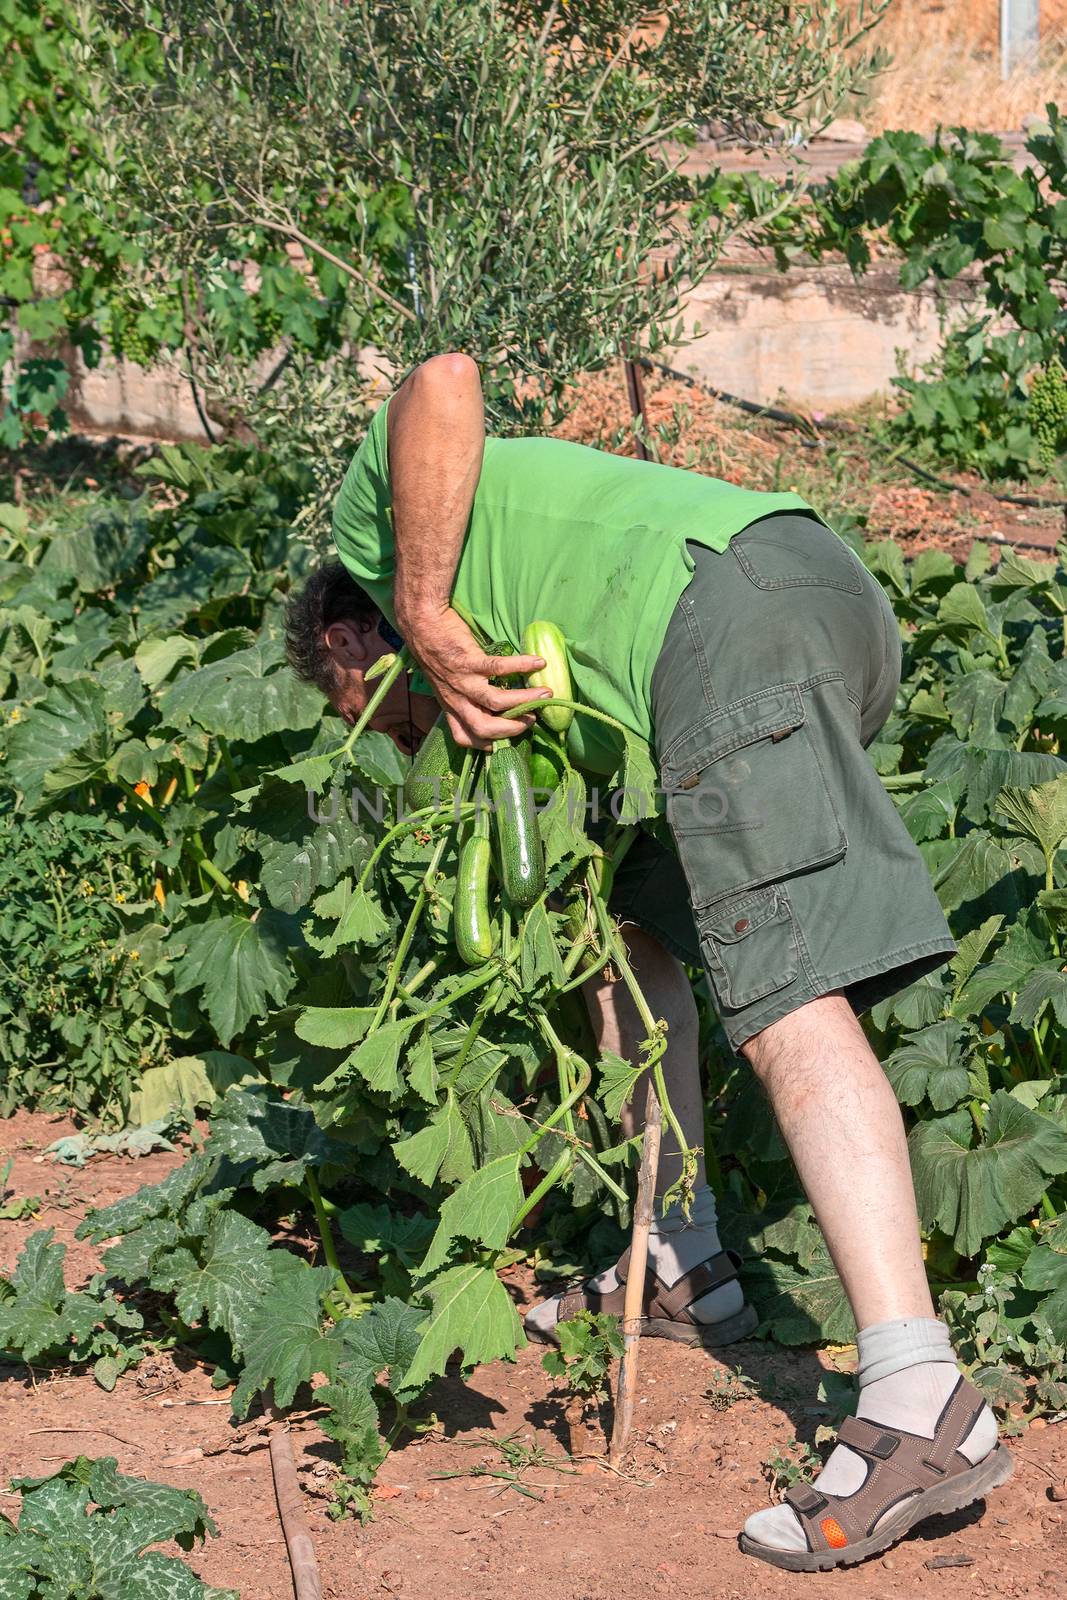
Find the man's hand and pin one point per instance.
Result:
(459, 671)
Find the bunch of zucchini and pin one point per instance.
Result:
(516, 769)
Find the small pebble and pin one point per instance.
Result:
(726, 1533)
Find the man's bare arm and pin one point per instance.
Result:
(436, 437)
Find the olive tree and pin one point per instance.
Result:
(503, 177)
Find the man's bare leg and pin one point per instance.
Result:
(841, 1121)
(676, 1246)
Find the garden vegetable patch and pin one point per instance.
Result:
(377, 1001)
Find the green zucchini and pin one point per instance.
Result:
(472, 926)
(544, 639)
(520, 853)
(434, 773)
(546, 765)
(579, 913)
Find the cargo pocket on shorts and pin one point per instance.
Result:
(747, 799)
(750, 948)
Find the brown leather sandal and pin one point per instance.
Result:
(665, 1311)
(909, 1478)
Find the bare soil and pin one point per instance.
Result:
(833, 462)
(667, 1523)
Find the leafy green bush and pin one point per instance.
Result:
(86, 1530)
(82, 993)
(143, 674)
(954, 208)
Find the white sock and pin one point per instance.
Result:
(907, 1371)
(676, 1245)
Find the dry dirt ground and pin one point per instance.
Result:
(667, 1524)
(834, 464)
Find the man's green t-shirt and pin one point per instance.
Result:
(595, 543)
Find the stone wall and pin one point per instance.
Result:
(813, 336)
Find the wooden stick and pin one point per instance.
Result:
(635, 1279)
(307, 1584)
(635, 390)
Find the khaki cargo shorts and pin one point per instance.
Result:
(794, 875)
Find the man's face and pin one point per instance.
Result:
(404, 716)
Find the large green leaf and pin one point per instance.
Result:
(1045, 986)
(800, 1304)
(381, 1230)
(240, 965)
(962, 607)
(981, 870)
(377, 1058)
(472, 1313)
(223, 1283)
(930, 1065)
(247, 695)
(73, 719)
(441, 1148)
(156, 658)
(83, 1532)
(1039, 813)
(927, 812)
(282, 1341)
(483, 1210)
(278, 1139)
(359, 917)
(976, 704)
(971, 1188)
(334, 1027)
(37, 1314)
(164, 1199)
(381, 1345)
(304, 845)
(988, 772)
(1024, 949)
(971, 949)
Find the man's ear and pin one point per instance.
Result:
(349, 643)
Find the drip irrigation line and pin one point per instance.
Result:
(796, 419)
(307, 1584)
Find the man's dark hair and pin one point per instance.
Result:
(330, 594)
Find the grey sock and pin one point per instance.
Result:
(889, 1347)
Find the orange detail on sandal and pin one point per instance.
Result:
(833, 1533)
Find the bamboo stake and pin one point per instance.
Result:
(635, 1280)
(307, 1585)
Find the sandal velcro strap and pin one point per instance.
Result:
(658, 1301)
(712, 1274)
(808, 1501)
(585, 1298)
(867, 1438)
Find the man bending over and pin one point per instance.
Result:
(738, 635)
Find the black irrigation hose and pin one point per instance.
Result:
(795, 419)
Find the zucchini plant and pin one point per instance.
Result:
(436, 1110)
